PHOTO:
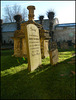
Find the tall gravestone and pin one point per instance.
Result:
(54, 56)
(32, 41)
(53, 53)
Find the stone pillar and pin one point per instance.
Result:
(41, 19)
(31, 12)
(18, 19)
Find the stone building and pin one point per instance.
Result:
(65, 32)
(8, 29)
(61, 31)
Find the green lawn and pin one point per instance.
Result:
(47, 82)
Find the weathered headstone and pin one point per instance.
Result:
(32, 42)
(33, 46)
(53, 53)
(54, 57)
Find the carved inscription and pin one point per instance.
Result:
(34, 42)
(33, 46)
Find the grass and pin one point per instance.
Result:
(47, 82)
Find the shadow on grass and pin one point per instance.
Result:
(43, 83)
(7, 61)
(7, 52)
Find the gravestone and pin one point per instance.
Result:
(44, 41)
(53, 53)
(54, 57)
(32, 41)
(33, 46)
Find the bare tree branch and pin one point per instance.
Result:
(24, 14)
(10, 12)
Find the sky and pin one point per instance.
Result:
(65, 10)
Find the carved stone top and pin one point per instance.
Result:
(18, 18)
(31, 12)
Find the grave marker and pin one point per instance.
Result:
(53, 53)
(54, 57)
(32, 41)
(33, 46)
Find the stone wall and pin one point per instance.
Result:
(6, 37)
(64, 34)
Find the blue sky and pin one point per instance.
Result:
(65, 10)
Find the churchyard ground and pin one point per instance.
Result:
(46, 82)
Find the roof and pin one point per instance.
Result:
(66, 25)
(9, 27)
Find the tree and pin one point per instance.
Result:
(51, 15)
(10, 12)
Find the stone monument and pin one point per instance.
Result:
(54, 56)
(32, 41)
(19, 39)
(53, 51)
(20, 48)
